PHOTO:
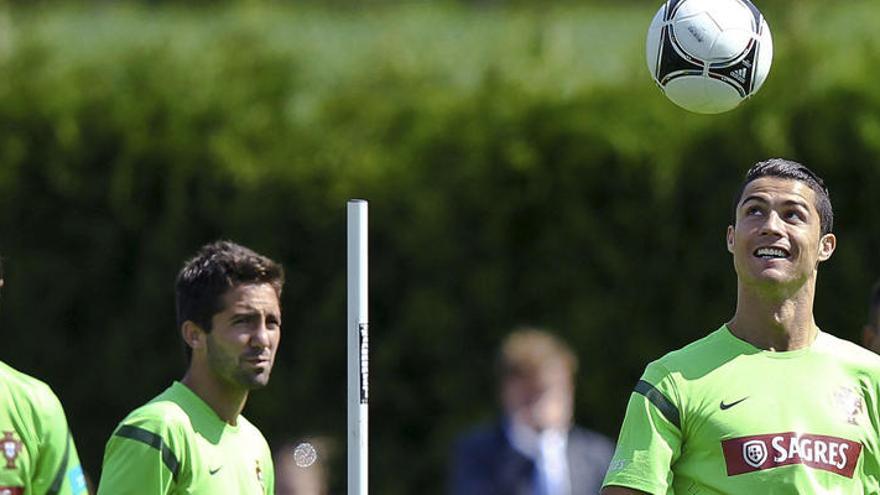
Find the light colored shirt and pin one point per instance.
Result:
(176, 444)
(548, 449)
(37, 454)
(721, 416)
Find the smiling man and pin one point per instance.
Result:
(768, 403)
(192, 438)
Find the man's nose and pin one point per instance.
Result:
(773, 224)
(260, 336)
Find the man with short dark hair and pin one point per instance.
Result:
(535, 449)
(768, 403)
(37, 454)
(192, 438)
(871, 332)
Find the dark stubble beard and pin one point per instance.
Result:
(233, 371)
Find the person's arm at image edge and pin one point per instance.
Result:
(619, 490)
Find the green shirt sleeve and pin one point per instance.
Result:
(270, 475)
(871, 469)
(138, 460)
(650, 438)
(57, 470)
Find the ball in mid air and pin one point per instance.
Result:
(709, 55)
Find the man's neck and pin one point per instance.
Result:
(226, 401)
(780, 323)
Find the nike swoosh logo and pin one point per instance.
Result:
(728, 406)
(212, 472)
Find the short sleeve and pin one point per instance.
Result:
(57, 468)
(138, 460)
(871, 461)
(650, 437)
(269, 476)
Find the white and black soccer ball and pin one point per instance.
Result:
(709, 55)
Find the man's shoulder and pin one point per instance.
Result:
(24, 387)
(592, 441)
(706, 352)
(251, 431)
(162, 412)
(13, 378)
(849, 352)
(481, 437)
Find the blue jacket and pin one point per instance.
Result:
(485, 463)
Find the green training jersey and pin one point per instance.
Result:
(721, 416)
(176, 444)
(37, 454)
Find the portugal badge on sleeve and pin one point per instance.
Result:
(259, 472)
(11, 448)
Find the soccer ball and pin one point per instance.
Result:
(709, 55)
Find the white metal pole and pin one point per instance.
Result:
(358, 348)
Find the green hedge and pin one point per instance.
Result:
(520, 167)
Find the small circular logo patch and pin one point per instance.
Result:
(304, 455)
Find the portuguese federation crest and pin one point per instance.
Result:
(849, 404)
(755, 453)
(11, 448)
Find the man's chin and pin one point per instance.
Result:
(768, 274)
(777, 281)
(254, 381)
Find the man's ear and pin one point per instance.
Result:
(193, 335)
(730, 233)
(827, 244)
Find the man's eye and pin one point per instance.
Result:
(795, 215)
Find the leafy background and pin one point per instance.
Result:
(521, 167)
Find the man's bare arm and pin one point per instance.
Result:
(619, 490)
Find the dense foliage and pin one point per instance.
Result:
(520, 167)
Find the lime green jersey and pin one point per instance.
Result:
(720, 416)
(37, 454)
(176, 444)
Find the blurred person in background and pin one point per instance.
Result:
(301, 467)
(192, 437)
(871, 332)
(768, 402)
(534, 449)
(37, 454)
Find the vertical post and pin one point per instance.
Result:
(358, 348)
